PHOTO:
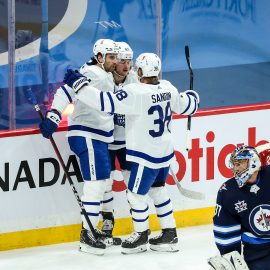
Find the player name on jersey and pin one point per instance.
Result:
(161, 97)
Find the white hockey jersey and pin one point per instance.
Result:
(119, 119)
(86, 121)
(148, 109)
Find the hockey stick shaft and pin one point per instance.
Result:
(188, 136)
(186, 192)
(33, 100)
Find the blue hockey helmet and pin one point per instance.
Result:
(240, 154)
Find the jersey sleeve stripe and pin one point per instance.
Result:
(227, 229)
(111, 101)
(101, 101)
(227, 241)
(67, 94)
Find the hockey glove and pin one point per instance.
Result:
(194, 96)
(229, 261)
(75, 80)
(49, 125)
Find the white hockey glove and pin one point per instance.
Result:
(75, 80)
(229, 261)
(194, 94)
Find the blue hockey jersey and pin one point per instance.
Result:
(242, 216)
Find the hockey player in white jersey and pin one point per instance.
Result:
(148, 107)
(89, 132)
(122, 75)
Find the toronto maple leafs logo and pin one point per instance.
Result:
(119, 119)
(240, 206)
(259, 219)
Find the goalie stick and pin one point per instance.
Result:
(186, 192)
(31, 97)
(188, 135)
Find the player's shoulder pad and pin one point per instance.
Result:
(93, 72)
(228, 185)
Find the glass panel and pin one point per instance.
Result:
(229, 49)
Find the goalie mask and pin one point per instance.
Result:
(149, 63)
(238, 157)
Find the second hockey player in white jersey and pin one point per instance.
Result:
(123, 75)
(148, 107)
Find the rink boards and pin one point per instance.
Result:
(38, 206)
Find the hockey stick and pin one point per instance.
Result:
(186, 192)
(188, 135)
(32, 98)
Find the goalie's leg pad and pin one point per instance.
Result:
(229, 261)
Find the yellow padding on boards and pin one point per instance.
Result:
(70, 233)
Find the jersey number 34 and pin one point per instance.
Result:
(163, 120)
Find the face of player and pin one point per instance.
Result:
(239, 166)
(123, 67)
(110, 62)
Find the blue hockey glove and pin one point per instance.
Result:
(75, 80)
(49, 125)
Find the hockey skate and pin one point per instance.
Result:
(107, 227)
(166, 241)
(135, 243)
(89, 245)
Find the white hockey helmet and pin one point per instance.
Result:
(125, 52)
(149, 63)
(105, 46)
(250, 154)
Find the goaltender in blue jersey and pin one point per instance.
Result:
(242, 216)
(148, 107)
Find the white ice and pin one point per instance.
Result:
(196, 245)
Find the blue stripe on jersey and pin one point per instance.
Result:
(227, 229)
(111, 101)
(228, 241)
(118, 142)
(93, 130)
(149, 158)
(252, 239)
(67, 94)
(101, 101)
(188, 106)
(91, 214)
